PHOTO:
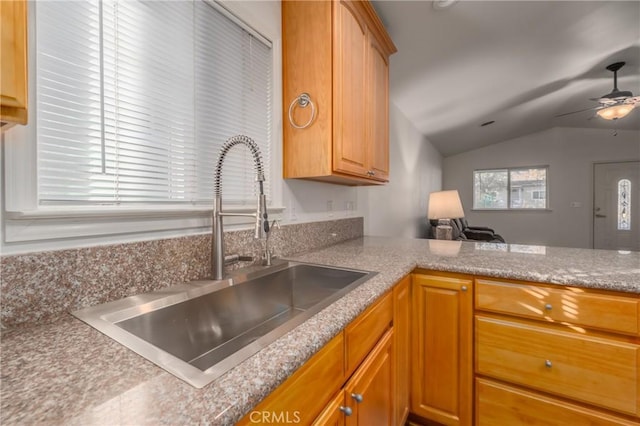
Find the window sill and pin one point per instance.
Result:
(58, 227)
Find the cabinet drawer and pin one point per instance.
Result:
(498, 404)
(362, 334)
(590, 369)
(575, 306)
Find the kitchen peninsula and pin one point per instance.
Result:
(67, 372)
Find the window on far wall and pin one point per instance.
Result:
(510, 188)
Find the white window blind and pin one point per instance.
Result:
(134, 100)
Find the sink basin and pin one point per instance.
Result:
(199, 330)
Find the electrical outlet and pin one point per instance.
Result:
(349, 208)
(292, 212)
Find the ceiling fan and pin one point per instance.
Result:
(614, 105)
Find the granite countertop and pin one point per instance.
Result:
(65, 372)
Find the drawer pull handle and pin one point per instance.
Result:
(357, 397)
(346, 410)
(548, 306)
(463, 288)
(548, 364)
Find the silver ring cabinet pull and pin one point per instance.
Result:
(547, 363)
(303, 100)
(357, 396)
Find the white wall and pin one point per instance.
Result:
(570, 154)
(399, 208)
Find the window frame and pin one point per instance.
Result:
(29, 226)
(509, 189)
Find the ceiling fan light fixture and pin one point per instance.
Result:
(616, 111)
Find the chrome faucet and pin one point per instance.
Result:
(262, 222)
(268, 255)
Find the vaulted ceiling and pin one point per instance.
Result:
(519, 63)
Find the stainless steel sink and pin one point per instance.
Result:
(199, 330)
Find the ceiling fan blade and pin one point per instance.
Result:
(575, 112)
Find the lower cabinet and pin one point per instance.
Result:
(442, 379)
(333, 415)
(370, 391)
(304, 395)
(367, 398)
(402, 345)
(555, 355)
(455, 349)
(352, 380)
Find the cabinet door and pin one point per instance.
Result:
(303, 396)
(378, 138)
(401, 331)
(349, 96)
(442, 381)
(370, 391)
(13, 72)
(332, 414)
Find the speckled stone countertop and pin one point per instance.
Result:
(66, 372)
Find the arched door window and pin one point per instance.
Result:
(624, 205)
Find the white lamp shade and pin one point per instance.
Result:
(445, 205)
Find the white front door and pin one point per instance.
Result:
(616, 206)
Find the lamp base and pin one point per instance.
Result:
(444, 231)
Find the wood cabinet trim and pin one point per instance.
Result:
(377, 28)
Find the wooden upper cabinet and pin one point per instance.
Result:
(338, 53)
(13, 62)
(349, 91)
(379, 111)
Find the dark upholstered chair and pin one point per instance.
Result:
(480, 233)
(462, 231)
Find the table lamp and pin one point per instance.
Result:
(443, 206)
